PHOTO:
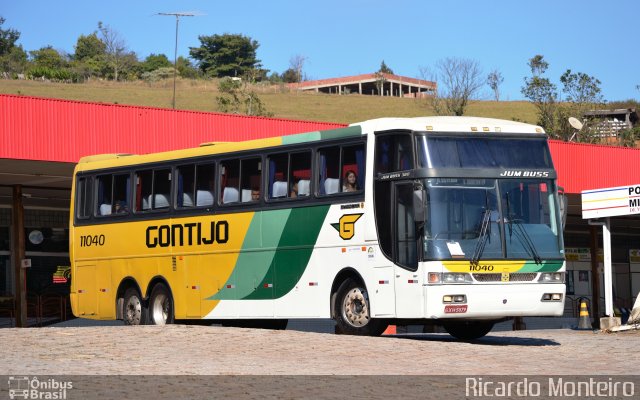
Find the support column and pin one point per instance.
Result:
(20, 281)
(359, 87)
(595, 276)
(339, 89)
(391, 88)
(608, 276)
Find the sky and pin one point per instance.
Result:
(350, 37)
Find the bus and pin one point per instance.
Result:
(455, 221)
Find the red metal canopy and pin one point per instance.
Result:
(61, 130)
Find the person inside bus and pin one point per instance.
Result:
(350, 183)
(294, 189)
(255, 194)
(121, 207)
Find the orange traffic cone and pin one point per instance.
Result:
(584, 321)
(391, 330)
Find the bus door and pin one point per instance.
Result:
(408, 284)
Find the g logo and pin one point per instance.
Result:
(346, 225)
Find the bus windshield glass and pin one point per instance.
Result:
(479, 219)
(482, 152)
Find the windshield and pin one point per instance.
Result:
(475, 219)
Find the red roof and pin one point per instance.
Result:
(586, 166)
(34, 128)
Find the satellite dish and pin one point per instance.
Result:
(575, 123)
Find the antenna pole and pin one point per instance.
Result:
(175, 64)
(175, 51)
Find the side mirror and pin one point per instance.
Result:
(564, 205)
(418, 205)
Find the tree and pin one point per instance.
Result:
(459, 79)
(290, 76)
(237, 98)
(89, 47)
(581, 88)
(115, 48)
(15, 61)
(8, 38)
(185, 69)
(48, 57)
(155, 61)
(541, 92)
(296, 63)
(384, 69)
(226, 55)
(494, 80)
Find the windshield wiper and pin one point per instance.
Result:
(522, 234)
(485, 231)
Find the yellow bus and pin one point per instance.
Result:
(455, 220)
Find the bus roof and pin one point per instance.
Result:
(449, 124)
(114, 160)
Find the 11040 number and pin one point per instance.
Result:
(91, 240)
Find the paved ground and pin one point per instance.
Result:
(181, 349)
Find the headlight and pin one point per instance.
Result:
(551, 277)
(449, 277)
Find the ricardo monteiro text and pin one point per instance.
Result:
(553, 387)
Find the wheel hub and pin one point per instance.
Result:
(355, 309)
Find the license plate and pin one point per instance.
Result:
(455, 309)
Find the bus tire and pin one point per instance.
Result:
(468, 330)
(352, 312)
(134, 311)
(160, 306)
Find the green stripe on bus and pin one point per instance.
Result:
(339, 133)
(301, 138)
(294, 251)
(546, 266)
(253, 263)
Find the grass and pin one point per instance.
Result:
(201, 95)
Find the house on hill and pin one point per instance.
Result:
(376, 84)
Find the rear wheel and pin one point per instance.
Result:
(160, 306)
(468, 330)
(134, 311)
(352, 312)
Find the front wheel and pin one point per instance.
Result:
(160, 306)
(468, 330)
(352, 312)
(134, 311)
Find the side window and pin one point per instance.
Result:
(300, 175)
(393, 153)
(194, 186)
(153, 189)
(278, 176)
(290, 175)
(341, 169)
(121, 194)
(83, 198)
(353, 168)
(250, 180)
(104, 196)
(112, 194)
(229, 181)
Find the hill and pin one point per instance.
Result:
(201, 95)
